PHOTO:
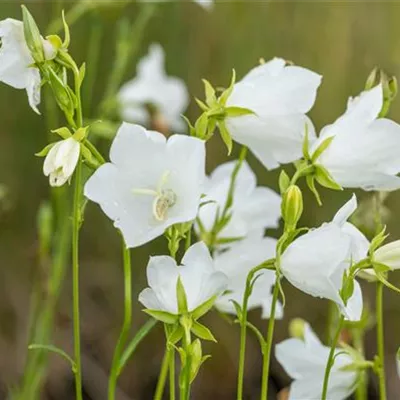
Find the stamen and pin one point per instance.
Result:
(163, 203)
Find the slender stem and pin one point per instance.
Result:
(171, 373)
(112, 383)
(380, 340)
(358, 342)
(242, 352)
(268, 343)
(76, 220)
(331, 359)
(184, 381)
(163, 375)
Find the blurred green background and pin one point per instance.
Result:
(343, 41)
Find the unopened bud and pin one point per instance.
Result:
(296, 328)
(292, 206)
(61, 93)
(32, 36)
(389, 255)
(373, 79)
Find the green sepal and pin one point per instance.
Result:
(162, 316)
(88, 157)
(32, 36)
(237, 111)
(55, 41)
(202, 106)
(192, 130)
(201, 126)
(63, 132)
(225, 95)
(347, 288)
(181, 297)
(321, 148)
(306, 144)
(80, 134)
(311, 185)
(82, 73)
(203, 308)
(382, 278)
(176, 335)
(226, 136)
(202, 332)
(377, 241)
(284, 181)
(238, 309)
(211, 98)
(228, 240)
(325, 179)
(67, 36)
(197, 359)
(45, 150)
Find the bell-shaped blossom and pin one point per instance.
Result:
(305, 361)
(236, 263)
(200, 280)
(363, 152)
(150, 183)
(279, 95)
(389, 255)
(153, 95)
(60, 162)
(254, 208)
(315, 262)
(16, 62)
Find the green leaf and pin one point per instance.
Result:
(61, 92)
(325, 179)
(311, 185)
(211, 98)
(225, 95)
(202, 332)
(134, 343)
(228, 240)
(226, 136)
(203, 308)
(321, 148)
(162, 316)
(238, 111)
(45, 150)
(181, 297)
(306, 151)
(53, 349)
(284, 181)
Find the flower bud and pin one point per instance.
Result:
(373, 79)
(292, 206)
(61, 161)
(32, 36)
(389, 255)
(296, 328)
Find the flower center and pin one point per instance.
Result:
(164, 198)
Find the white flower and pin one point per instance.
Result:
(152, 88)
(389, 255)
(305, 361)
(236, 263)
(61, 161)
(254, 208)
(207, 4)
(16, 62)
(150, 184)
(200, 280)
(279, 95)
(364, 152)
(315, 262)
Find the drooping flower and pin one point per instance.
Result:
(315, 262)
(236, 263)
(200, 280)
(363, 152)
(150, 183)
(61, 161)
(280, 96)
(16, 62)
(254, 208)
(153, 96)
(305, 362)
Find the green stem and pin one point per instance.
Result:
(331, 358)
(358, 342)
(268, 343)
(163, 375)
(172, 373)
(112, 383)
(76, 220)
(380, 340)
(185, 372)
